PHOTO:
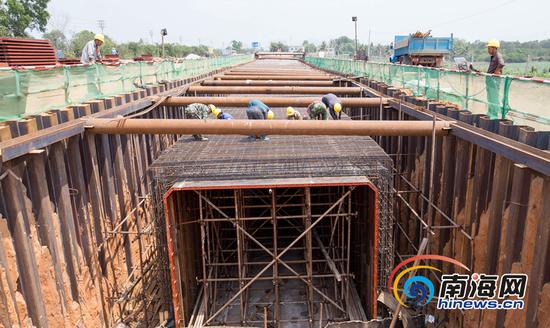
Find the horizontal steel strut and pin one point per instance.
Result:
(270, 101)
(273, 90)
(273, 127)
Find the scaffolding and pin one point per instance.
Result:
(277, 255)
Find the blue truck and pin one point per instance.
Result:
(426, 51)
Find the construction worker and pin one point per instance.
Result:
(497, 62)
(258, 103)
(292, 114)
(493, 82)
(90, 52)
(317, 111)
(221, 115)
(259, 113)
(197, 111)
(333, 104)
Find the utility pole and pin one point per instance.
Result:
(163, 33)
(368, 51)
(101, 24)
(354, 19)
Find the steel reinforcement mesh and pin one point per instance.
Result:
(236, 157)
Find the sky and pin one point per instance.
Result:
(216, 22)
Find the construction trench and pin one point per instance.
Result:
(111, 214)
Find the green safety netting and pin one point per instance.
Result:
(521, 100)
(28, 92)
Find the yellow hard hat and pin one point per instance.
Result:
(216, 111)
(270, 115)
(337, 107)
(100, 37)
(493, 43)
(290, 111)
(212, 108)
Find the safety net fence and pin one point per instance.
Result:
(525, 101)
(25, 92)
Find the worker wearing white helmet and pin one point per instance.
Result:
(333, 104)
(90, 52)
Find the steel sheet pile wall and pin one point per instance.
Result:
(79, 244)
(490, 194)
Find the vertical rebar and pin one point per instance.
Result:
(309, 253)
(204, 259)
(276, 306)
(240, 255)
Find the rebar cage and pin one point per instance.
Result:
(240, 159)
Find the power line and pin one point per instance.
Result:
(475, 14)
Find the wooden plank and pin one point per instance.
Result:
(106, 174)
(18, 222)
(80, 199)
(5, 319)
(11, 285)
(27, 126)
(5, 132)
(42, 206)
(65, 215)
(96, 204)
(121, 183)
(540, 270)
(16, 147)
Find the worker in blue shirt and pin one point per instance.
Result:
(258, 113)
(333, 104)
(221, 115)
(258, 103)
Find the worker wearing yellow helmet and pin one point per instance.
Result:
(90, 52)
(496, 63)
(292, 114)
(219, 114)
(492, 83)
(333, 104)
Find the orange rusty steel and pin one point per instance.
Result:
(277, 73)
(270, 101)
(272, 127)
(273, 90)
(268, 83)
(293, 70)
(275, 77)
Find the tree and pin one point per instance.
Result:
(58, 39)
(323, 46)
(343, 45)
(278, 47)
(309, 47)
(18, 16)
(236, 45)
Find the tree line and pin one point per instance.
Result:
(73, 47)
